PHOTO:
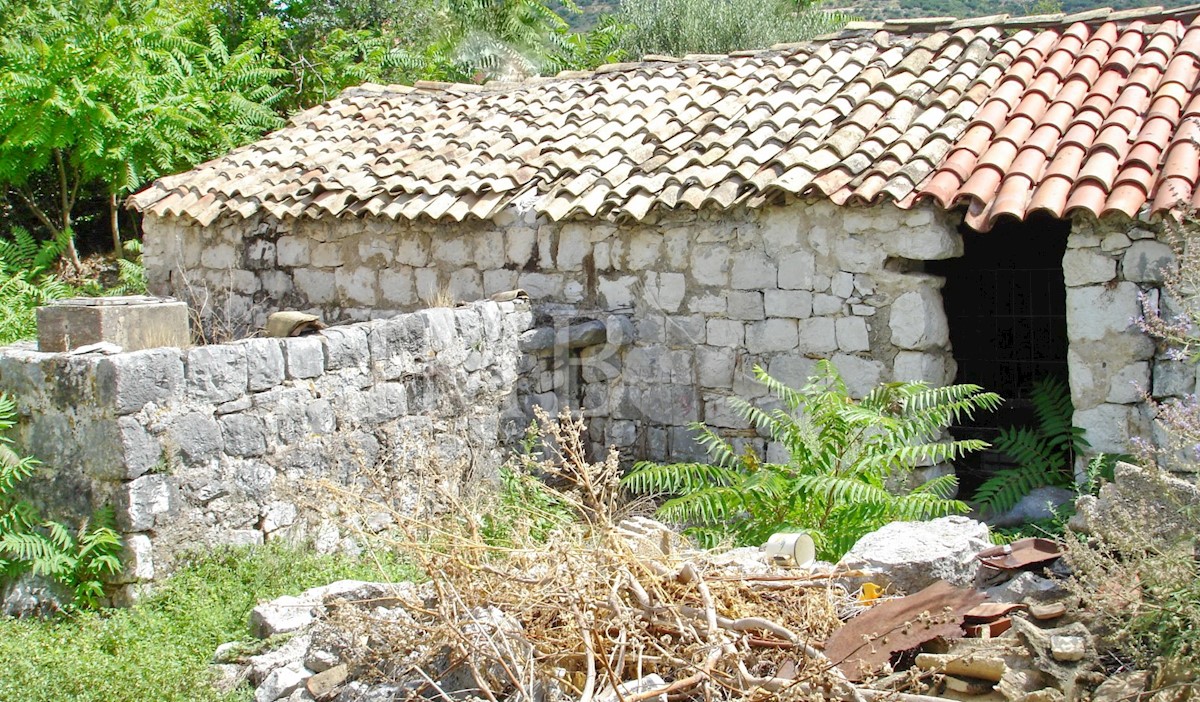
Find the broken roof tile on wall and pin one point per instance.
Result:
(1099, 113)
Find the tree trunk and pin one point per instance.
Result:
(115, 225)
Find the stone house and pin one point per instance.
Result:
(978, 200)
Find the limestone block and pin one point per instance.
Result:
(622, 433)
(1173, 379)
(410, 250)
(779, 228)
(793, 370)
(1116, 241)
(851, 333)
(1145, 260)
(752, 270)
(441, 325)
(489, 251)
(292, 252)
(719, 412)
(771, 335)
(454, 251)
(796, 271)
(645, 248)
(397, 285)
(140, 450)
(918, 320)
(133, 322)
(321, 417)
(129, 381)
(499, 281)
(1094, 312)
(858, 254)
(573, 291)
(710, 265)
(143, 501)
(317, 286)
(927, 241)
(677, 242)
(797, 304)
(1129, 384)
(1087, 267)
(826, 305)
(842, 284)
(861, 375)
(666, 290)
(196, 437)
(326, 255)
(356, 285)
(914, 555)
(344, 346)
(747, 305)
(687, 331)
(541, 286)
(244, 435)
(665, 404)
(714, 367)
(1109, 427)
(915, 366)
(817, 335)
(219, 257)
(708, 305)
(683, 445)
(573, 247)
(466, 285)
(217, 373)
(304, 357)
(137, 558)
(725, 332)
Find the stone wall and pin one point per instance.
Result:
(691, 301)
(222, 443)
(1109, 268)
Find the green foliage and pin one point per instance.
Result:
(845, 456)
(679, 27)
(1045, 455)
(79, 560)
(160, 648)
(27, 282)
(526, 506)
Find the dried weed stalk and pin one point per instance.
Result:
(592, 606)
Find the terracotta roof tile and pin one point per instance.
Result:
(1005, 115)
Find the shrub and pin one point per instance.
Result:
(843, 456)
(79, 560)
(27, 282)
(1045, 455)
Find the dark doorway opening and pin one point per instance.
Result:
(1006, 305)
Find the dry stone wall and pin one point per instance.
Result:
(1110, 269)
(224, 443)
(691, 301)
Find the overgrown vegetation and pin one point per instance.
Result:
(78, 559)
(27, 281)
(160, 648)
(679, 27)
(1044, 455)
(845, 459)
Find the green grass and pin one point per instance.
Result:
(160, 649)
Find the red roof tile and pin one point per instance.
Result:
(1098, 113)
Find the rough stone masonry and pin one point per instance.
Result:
(223, 443)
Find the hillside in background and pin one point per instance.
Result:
(886, 9)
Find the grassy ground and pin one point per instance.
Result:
(160, 649)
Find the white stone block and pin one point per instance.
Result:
(666, 290)
(752, 271)
(714, 367)
(489, 251)
(356, 285)
(541, 286)
(918, 367)
(771, 335)
(861, 375)
(291, 251)
(428, 286)
(1145, 261)
(793, 370)
(824, 305)
(617, 293)
(842, 284)
(726, 332)
(466, 285)
(710, 265)
(745, 305)
(1129, 384)
(796, 271)
(499, 280)
(932, 241)
(1087, 267)
(220, 257)
(677, 243)
(858, 254)
(452, 252)
(519, 244)
(817, 335)
(779, 228)
(573, 247)
(852, 334)
(1093, 312)
(1108, 427)
(410, 250)
(645, 248)
(317, 286)
(918, 320)
(327, 255)
(797, 304)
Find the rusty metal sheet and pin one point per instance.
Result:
(1020, 554)
(867, 642)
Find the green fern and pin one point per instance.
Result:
(1045, 455)
(79, 559)
(843, 455)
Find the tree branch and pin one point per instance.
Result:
(35, 209)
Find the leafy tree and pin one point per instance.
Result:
(843, 454)
(679, 27)
(27, 282)
(107, 94)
